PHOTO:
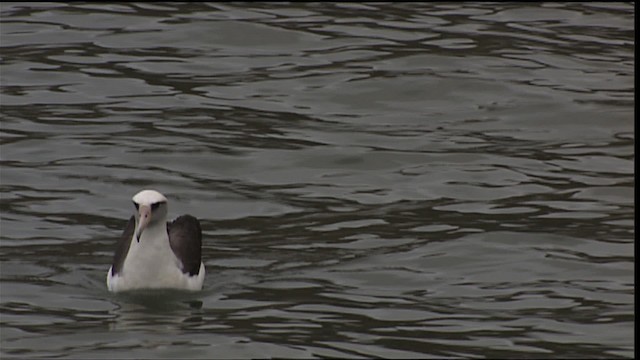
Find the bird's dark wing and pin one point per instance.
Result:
(185, 238)
(123, 246)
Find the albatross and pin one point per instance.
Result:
(155, 254)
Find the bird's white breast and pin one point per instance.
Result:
(151, 264)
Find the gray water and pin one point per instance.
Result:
(386, 180)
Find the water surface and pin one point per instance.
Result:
(402, 180)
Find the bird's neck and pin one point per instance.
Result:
(154, 233)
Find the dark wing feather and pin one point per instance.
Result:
(185, 238)
(123, 246)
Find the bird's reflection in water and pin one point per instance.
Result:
(167, 309)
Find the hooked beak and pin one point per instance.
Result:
(143, 220)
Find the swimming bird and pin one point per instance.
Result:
(155, 254)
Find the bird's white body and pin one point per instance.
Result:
(150, 263)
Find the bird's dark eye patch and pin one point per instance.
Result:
(155, 206)
(136, 205)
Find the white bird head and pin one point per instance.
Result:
(151, 208)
